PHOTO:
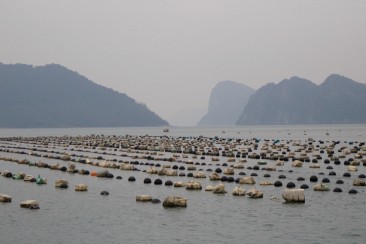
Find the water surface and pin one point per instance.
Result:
(67, 216)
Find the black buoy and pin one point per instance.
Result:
(290, 185)
(168, 183)
(158, 182)
(277, 183)
(362, 176)
(104, 193)
(353, 191)
(313, 178)
(325, 180)
(147, 181)
(131, 178)
(337, 189)
(155, 200)
(230, 179)
(304, 186)
(339, 182)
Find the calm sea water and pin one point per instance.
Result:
(67, 216)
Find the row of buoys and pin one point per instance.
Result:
(323, 151)
(290, 185)
(138, 141)
(346, 174)
(302, 158)
(25, 177)
(169, 183)
(70, 169)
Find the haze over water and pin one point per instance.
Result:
(156, 50)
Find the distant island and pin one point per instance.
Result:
(53, 96)
(227, 100)
(338, 100)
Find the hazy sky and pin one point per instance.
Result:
(170, 54)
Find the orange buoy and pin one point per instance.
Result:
(93, 173)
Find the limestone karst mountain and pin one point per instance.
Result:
(227, 101)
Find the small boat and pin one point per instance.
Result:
(166, 130)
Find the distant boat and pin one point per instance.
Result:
(166, 130)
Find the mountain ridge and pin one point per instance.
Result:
(299, 101)
(54, 96)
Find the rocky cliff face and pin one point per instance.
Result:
(227, 101)
(299, 101)
(53, 96)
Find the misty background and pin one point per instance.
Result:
(170, 54)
